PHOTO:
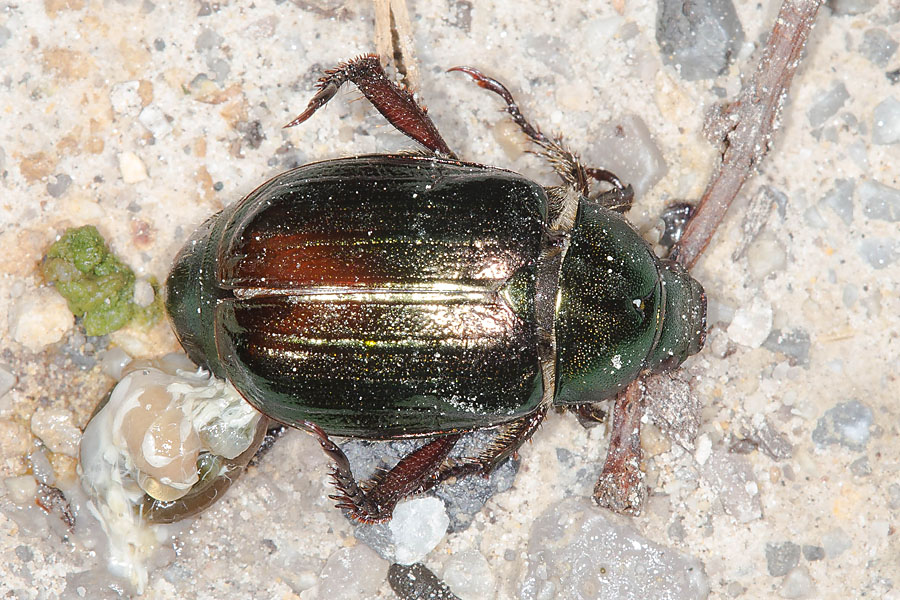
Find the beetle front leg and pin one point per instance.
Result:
(396, 104)
(374, 501)
(620, 487)
(566, 163)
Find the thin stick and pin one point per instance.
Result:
(394, 40)
(747, 125)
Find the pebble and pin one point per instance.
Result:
(56, 428)
(351, 573)
(417, 527)
(21, 490)
(813, 553)
(781, 558)
(851, 7)
(699, 42)
(840, 199)
(57, 186)
(751, 323)
(132, 167)
(732, 477)
(5, 34)
(766, 256)
(836, 542)
(797, 584)
(143, 293)
(577, 551)
(154, 119)
(14, 439)
(846, 424)
(827, 104)
(7, 381)
(886, 122)
(125, 98)
(794, 344)
(878, 46)
(469, 576)
(861, 467)
(41, 467)
(626, 147)
(39, 318)
(894, 496)
(880, 202)
(879, 252)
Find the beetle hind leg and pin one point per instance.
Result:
(394, 103)
(374, 501)
(566, 163)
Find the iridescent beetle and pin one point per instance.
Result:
(412, 295)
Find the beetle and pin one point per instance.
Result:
(419, 295)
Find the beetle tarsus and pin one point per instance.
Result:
(393, 102)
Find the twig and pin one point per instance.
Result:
(394, 41)
(746, 126)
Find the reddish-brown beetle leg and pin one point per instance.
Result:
(396, 104)
(374, 501)
(621, 485)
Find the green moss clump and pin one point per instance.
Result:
(97, 286)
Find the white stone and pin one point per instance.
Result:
(417, 527)
(154, 119)
(132, 167)
(124, 97)
(39, 318)
(56, 428)
(7, 381)
(469, 576)
(752, 323)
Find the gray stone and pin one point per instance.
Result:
(880, 202)
(627, 148)
(851, 7)
(797, 584)
(836, 542)
(861, 467)
(699, 38)
(886, 122)
(352, 573)
(846, 424)
(794, 344)
(827, 105)
(879, 252)
(781, 558)
(578, 551)
(878, 46)
(58, 187)
(894, 496)
(813, 553)
(731, 476)
(840, 199)
(207, 39)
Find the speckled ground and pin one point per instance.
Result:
(145, 117)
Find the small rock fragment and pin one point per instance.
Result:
(125, 98)
(154, 119)
(781, 558)
(673, 407)
(879, 252)
(5, 34)
(840, 199)
(698, 38)
(56, 428)
(57, 186)
(7, 381)
(21, 490)
(827, 104)
(880, 202)
(766, 256)
(351, 573)
(794, 344)
(797, 584)
(861, 467)
(577, 551)
(886, 122)
(627, 148)
(469, 576)
(731, 476)
(851, 7)
(417, 527)
(836, 542)
(894, 496)
(846, 424)
(878, 46)
(39, 318)
(751, 323)
(813, 553)
(132, 168)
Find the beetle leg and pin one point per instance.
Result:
(396, 104)
(620, 487)
(508, 440)
(374, 501)
(566, 163)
